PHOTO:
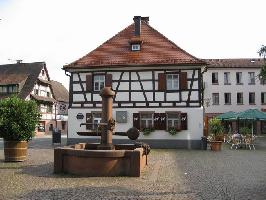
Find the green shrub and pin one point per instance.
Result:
(245, 131)
(18, 119)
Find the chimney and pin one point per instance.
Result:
(137, 21)
(145, 19)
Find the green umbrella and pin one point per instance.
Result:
(250, 114)
(227, 116)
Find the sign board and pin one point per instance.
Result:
(62, 108)
(121, 116)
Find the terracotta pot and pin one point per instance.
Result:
(216, 145)
(15, 151)
(219, 137)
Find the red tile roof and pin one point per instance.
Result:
(12, 78)
(156, 49)
(235, 63)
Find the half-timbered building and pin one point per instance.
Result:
(31, 81)
(157, 88)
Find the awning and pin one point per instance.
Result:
(251, 114)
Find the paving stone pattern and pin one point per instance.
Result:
(170, 174)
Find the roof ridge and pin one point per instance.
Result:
(232, 58)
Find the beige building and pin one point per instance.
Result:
(234, 85)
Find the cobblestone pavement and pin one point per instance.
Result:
(170, 174)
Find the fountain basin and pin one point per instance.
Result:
(85, 160)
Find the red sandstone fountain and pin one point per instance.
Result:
(104, 159)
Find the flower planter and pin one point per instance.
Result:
(219, 137)
(216, 145)
(15, 151)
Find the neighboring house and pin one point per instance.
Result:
(61, 106)
(32, 81)
(157, 85)
(234, 85)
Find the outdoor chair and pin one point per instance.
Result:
(249, 141)
(236, 142)
(228, 138)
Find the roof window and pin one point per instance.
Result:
(135, 47)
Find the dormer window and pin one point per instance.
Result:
(135, 47)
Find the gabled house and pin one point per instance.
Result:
(157, 88)
(32, 81)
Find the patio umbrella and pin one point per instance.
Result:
(227, 116)
(250, 114)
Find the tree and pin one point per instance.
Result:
(262, 53)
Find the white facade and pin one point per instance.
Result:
(194, 132)
(47, 110)
(233, 88)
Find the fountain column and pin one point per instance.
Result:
(107, 131)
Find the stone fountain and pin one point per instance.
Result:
(105, 158)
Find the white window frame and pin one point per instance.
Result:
(263, 81)
(9, 89)
(98, 82)
(254, 95)
(241, 99)
(264, 98)
(49, 109)
(227, 78)
(172, 81)
(146, 119)
(36, 92)
(216, 75)
(135, 47)
(240, 78)
(41, 126)
(251, 78)
(230, 100)
(173, 120)
(215, 99)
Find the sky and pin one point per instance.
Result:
(59, 32)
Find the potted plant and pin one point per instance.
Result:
(216, 129)
(18, 120)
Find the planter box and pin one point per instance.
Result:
(15, 151)
(216, 145)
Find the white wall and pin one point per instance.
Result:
(233, 89)
(43, 76)
(195, 123)
(42, 90)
